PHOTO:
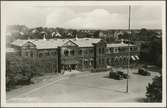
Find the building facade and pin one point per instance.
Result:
(77, 53)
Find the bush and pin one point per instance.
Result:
(154, 90)
(18, 71)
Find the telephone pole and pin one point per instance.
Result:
(127, 81)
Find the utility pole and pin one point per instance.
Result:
(127, 81)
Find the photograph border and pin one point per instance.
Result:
(50, 3)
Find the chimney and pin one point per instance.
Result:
(76, 37)
(28, 38)
(44, 36)
(122, 41)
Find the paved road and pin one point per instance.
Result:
(89, 87)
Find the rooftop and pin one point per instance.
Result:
(119, 45)
(54, 43)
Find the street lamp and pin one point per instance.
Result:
(127, 81)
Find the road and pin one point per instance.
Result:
(89, 87)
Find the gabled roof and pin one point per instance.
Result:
(19, 42)
(49, 44)
(54, 43)
(86, 42)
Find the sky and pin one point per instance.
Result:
(86, 17)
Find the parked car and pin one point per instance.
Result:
(123, 74)
(143, 71)
(115, 75)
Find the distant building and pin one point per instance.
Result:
(77, 53)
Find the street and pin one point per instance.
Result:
(89, 87)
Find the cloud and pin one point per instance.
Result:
(58, 16)
(96, 19)
(78, 17)
(29, 16)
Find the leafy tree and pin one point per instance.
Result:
(154, 90)
(18, 71)
(151, 52)
(96, 34)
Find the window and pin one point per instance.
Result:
(26, 53)
(116, 50)
(66, 52)
(40, 54)
(72, 52)
(80, 52)
(86, 52)
(108, 61)
(131, 48)
(103, 61)
(102, 50)
(111, 50)
(53, 53)
(99, 61)
(31, 54)
(119, 49)
(99, 50)
(91, 51)
(47, 54)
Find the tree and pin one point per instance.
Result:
(154, 90)
(96, 34)
(18, 71)
(151, 52)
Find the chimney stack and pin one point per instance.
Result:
(44, 36)
(122, 41)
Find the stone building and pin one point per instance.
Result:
(77, 53)
(120, 53)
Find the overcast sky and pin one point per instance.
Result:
(93, 17)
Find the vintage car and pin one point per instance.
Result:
(123, 74)
(143, 71)
(115, 75)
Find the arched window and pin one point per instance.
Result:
(66, 52)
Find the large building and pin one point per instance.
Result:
(77, 53)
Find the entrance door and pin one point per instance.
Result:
(73, 66)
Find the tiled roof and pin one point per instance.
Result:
(119, 45)
(54, 43)
(85, 42)
(49, 44)
(19, 42)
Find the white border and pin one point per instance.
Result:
(4, 4)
